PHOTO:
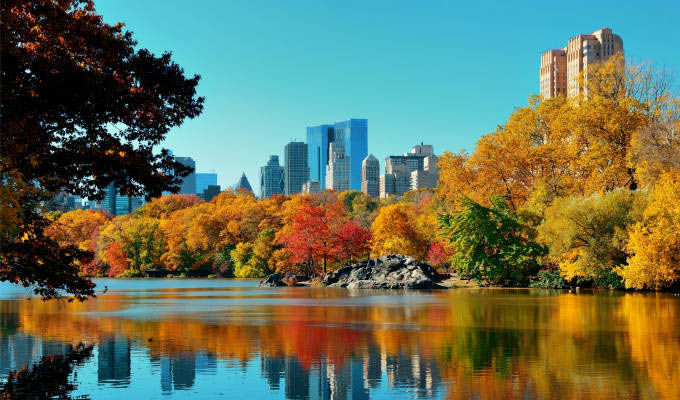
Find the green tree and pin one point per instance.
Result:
(490, 243)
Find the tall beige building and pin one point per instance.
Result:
(370, 176)
(338, 168)
(560, 68)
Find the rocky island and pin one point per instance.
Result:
(393, 271)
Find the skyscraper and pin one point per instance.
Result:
(296, 167)
(338, 168)
(203, 180)
(243, 183)
(117, 204)
(271, 178)
(353, 132)
(560, 68)
(318, 138)
(414, 170)
(188, 185)
(370, 176)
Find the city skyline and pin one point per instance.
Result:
(433, 84)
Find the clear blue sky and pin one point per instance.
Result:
(436, 72)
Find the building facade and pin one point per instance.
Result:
(370, 176)
(271, 178)
(116, 204)
(188, 185)
(414, 170)
(205, 179)
(353, 133)
(318, 139)
(338, 168)
(243, 184)
(311, 187)
(210, 192)
(296, 167)
(561, 68)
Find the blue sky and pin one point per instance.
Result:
(431, 71)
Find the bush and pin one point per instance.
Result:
(549, 279)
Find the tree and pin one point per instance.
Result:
(312, 236)
(490, 243)
(353, 241)
(141, 241)
(394, 232)
(82, 107)
(587, 236)
(654, 242)
(439, 255)
(163, 206)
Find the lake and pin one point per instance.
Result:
(177, 339)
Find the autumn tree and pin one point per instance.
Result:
(312, 236)
(394, 232)
(163, 206)
(353, 241)
(82, 106)
(654, 242)
(587, 236)
(140, 239)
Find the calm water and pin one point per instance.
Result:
(176, 339)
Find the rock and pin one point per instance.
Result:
(279, 280)
(391, 271)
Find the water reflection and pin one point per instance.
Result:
(230, 340)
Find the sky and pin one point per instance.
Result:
(436, 72)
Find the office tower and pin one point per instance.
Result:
(414, 170)
(370, 176)
(271, 178)
(183, 371)
(353, 132)
(243, 184)
(561, 68)
(296, 167)
(210, 192)
(204, 179)
(188, 185)
(296, 378)
(311, 187)
(338, 168)
(318, 139)
(117, 204)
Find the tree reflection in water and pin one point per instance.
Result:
(48, 378)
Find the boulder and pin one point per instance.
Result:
(279, 280)
(393, 271)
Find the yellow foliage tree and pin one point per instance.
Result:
(655, 241)
(394, 232)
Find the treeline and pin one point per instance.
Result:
(588, 190)
(582, 192)
(238, 235)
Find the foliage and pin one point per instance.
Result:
(490, 243)
(162, 207)
(586, 236)
(82, 106)
(549, 278)
(353, 241)
(394, 232)
(141, 243)
(654, 242)
(439, 255)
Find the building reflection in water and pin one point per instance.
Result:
(113, 361)
(352, 379)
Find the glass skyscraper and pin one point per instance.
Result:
(189, 182)
(318, 139)
(296, 168)
(271, 178)
(353, 132)
(204, 179)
